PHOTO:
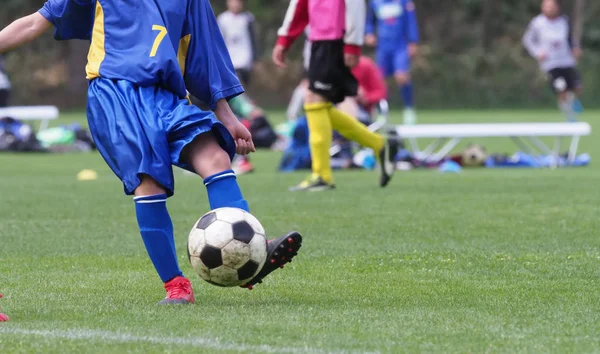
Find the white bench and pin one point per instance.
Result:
(42, 113)
(447, 136)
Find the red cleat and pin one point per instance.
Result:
(242, 165)
(179, 292)
(3, 317)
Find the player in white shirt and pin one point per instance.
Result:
(548, 39)
(4, 85)
(238, 29)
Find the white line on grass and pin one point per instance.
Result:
(198, 342)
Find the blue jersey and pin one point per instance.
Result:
(394, 22)
(175, 44)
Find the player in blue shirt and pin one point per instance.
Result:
(392, 27)
(144, 57)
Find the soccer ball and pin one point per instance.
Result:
(474, 155)
(227, 247)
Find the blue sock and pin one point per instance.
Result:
(407, 95)
(224, 191)
(157, 232)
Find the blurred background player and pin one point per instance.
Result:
(366, 106)
(393, 29)
(4, 85)
(239, 32)
(238, 27)
(336, 35)
(371, 88)
(254, 118)
(549, 40)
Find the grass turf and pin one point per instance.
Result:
(483, 261)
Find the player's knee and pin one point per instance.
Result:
(206, 156)
(148, 186)
(319, 140)
(402, 78)
(312, 97)
(216, 160)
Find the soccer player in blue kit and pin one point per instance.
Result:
(392, 27)
(144, 58)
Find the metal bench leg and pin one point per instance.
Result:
(43, 124)
(573, 149)
(543, 148)
(414, 145)
(556, 152)
(521, 144)
(445, 150)
(430, 149)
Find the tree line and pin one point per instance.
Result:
(471, 56)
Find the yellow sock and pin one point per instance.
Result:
(354, 130)
(319, 126)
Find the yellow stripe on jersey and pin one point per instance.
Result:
(97, 52)
(184, 45)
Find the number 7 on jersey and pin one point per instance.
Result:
(162, 32)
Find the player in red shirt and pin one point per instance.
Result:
(371, 85)
(371, 90)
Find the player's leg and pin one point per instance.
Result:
(352, 129)
(349, 106)
(403, 79)
(385, 61)
(563, 86)
(131, 140)
(200, 143)
(157, 233)
(577, 89)
(209, 160)
(565, 104)
(316, 106)
(320, 139)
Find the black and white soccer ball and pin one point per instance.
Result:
(227, 247)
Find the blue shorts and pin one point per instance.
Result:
(142, 130)
(392, 61)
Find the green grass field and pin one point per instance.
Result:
(483, 261)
